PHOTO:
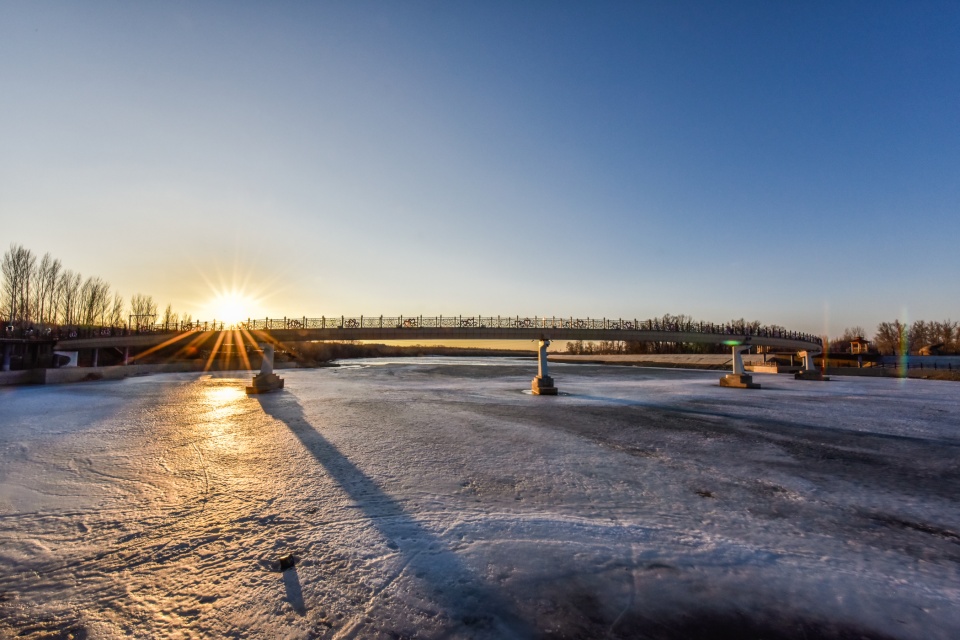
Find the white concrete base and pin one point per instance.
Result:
(543, 386)
(266, 381)
(739, 381)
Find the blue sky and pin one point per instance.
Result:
(797, 163)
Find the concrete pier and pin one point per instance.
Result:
(73, 359)
(739, 379)
(543, 385)
(810, 371)
(266, 380)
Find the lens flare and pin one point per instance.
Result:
(231, 307)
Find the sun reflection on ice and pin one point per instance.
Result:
(223, 400)
(222, 394)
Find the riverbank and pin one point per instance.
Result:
(668, 360)
(67, 375)
(312, 357)
(720, 362)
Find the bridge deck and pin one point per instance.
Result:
(445, 333)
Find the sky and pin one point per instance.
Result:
(794, 163)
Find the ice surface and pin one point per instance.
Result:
(433, 498)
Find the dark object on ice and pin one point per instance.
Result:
(287, 562)
(813, 374)
(265, 383)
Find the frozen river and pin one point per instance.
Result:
(433, 498)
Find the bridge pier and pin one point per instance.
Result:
(266, 380)
(7, 348)
(543, 385)
(739, 378)
(73, 358)
(810, 371)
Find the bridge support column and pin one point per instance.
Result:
(7, 348)
(73, 358)
(96, 357)
(810, 371)
(543, 384)
(739, 378)
(266, 380)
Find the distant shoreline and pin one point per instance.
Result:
(718, 362)
(708, 362)
(68, 375)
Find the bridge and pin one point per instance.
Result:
(276, 332)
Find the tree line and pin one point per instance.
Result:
(899, 338)
(891, 338)
(670, 322)
(43, 293)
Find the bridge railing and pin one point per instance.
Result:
(48, 332)
(520, 322)
(56, 332)
(421, 322)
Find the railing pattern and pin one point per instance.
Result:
(417, 322)
(518, 322)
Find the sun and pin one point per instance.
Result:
(232, 298)
(231, 307)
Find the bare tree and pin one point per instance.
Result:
(46, 293)
(635, 346)
(919, 335)
(18, 269)
(170, 318)
(56, 299)
(946, 333)
(742, 326)
(39, 298)
(94, 301)
(85, 301)
(891, 338)
(144, 311)
(47, 275)
(69, 296)
(116, 311)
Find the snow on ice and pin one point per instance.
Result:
(433, 498)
